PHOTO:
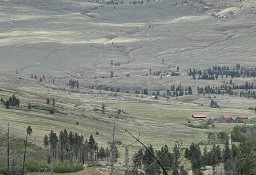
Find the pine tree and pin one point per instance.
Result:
(190, 90)
(126, 159)
(48, 101)
(246, 160)
(234, 151)
(107, 153)
(138, 159)
(53, 102)
(187, 153)
(165, 158)
(230, 167)
(226, 152)
(101, 153)
(92, 146)
(195, 156)
(205, 157)
(150, 167)
(183, 171)
(46, 141)
(62, 145)
(218, 154)
(53, 143)
(7, 104)
(29, 106)
(29, 132)
(103, 107)
(176, 161)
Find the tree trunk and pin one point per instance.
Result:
(8, 149)
(24, 157)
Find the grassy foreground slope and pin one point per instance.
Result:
(151, 119)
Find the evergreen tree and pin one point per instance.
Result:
(190, 90)
(183, 171)
(165, 158)
(101, 153)
(103, 107)
(29, 106)
(176, 161)
(150, 166)
(230, 167)
(53, 143)
(29, 132)
(216, 156)
(205, 157)
(62, 145)
(48, 101)
(46, 141)
(46, 144)
(246, 160)
(107, 153)
(7, 104)
(226, 152)
(53, 102)
(234, 151)
(138, 159)
(187, 153)
(92, 146)
(195, 156)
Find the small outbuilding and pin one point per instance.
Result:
(228, 116)
(242, 118)
(199, 116)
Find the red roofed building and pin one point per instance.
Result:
(199, 116)
(228, 116)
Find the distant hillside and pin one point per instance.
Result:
(58, 5)
(217, 8)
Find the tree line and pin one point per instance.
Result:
(217, 71)
(73, 147)
(144, 163)
(15, 160)
(235, 160)
(12, 101)
(229, 159)
(229, 89)
(73, 83)
(173, 91)
(42, 78)
(223, 157)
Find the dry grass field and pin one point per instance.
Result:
(89, 171)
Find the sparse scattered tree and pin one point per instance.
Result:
(53, 102)
(29, 106)
(48, 101)
(29, 132)
(103, 107)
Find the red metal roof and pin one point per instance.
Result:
(228, 116)
(199, 115)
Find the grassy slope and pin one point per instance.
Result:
(89, 171)
(155, 120)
